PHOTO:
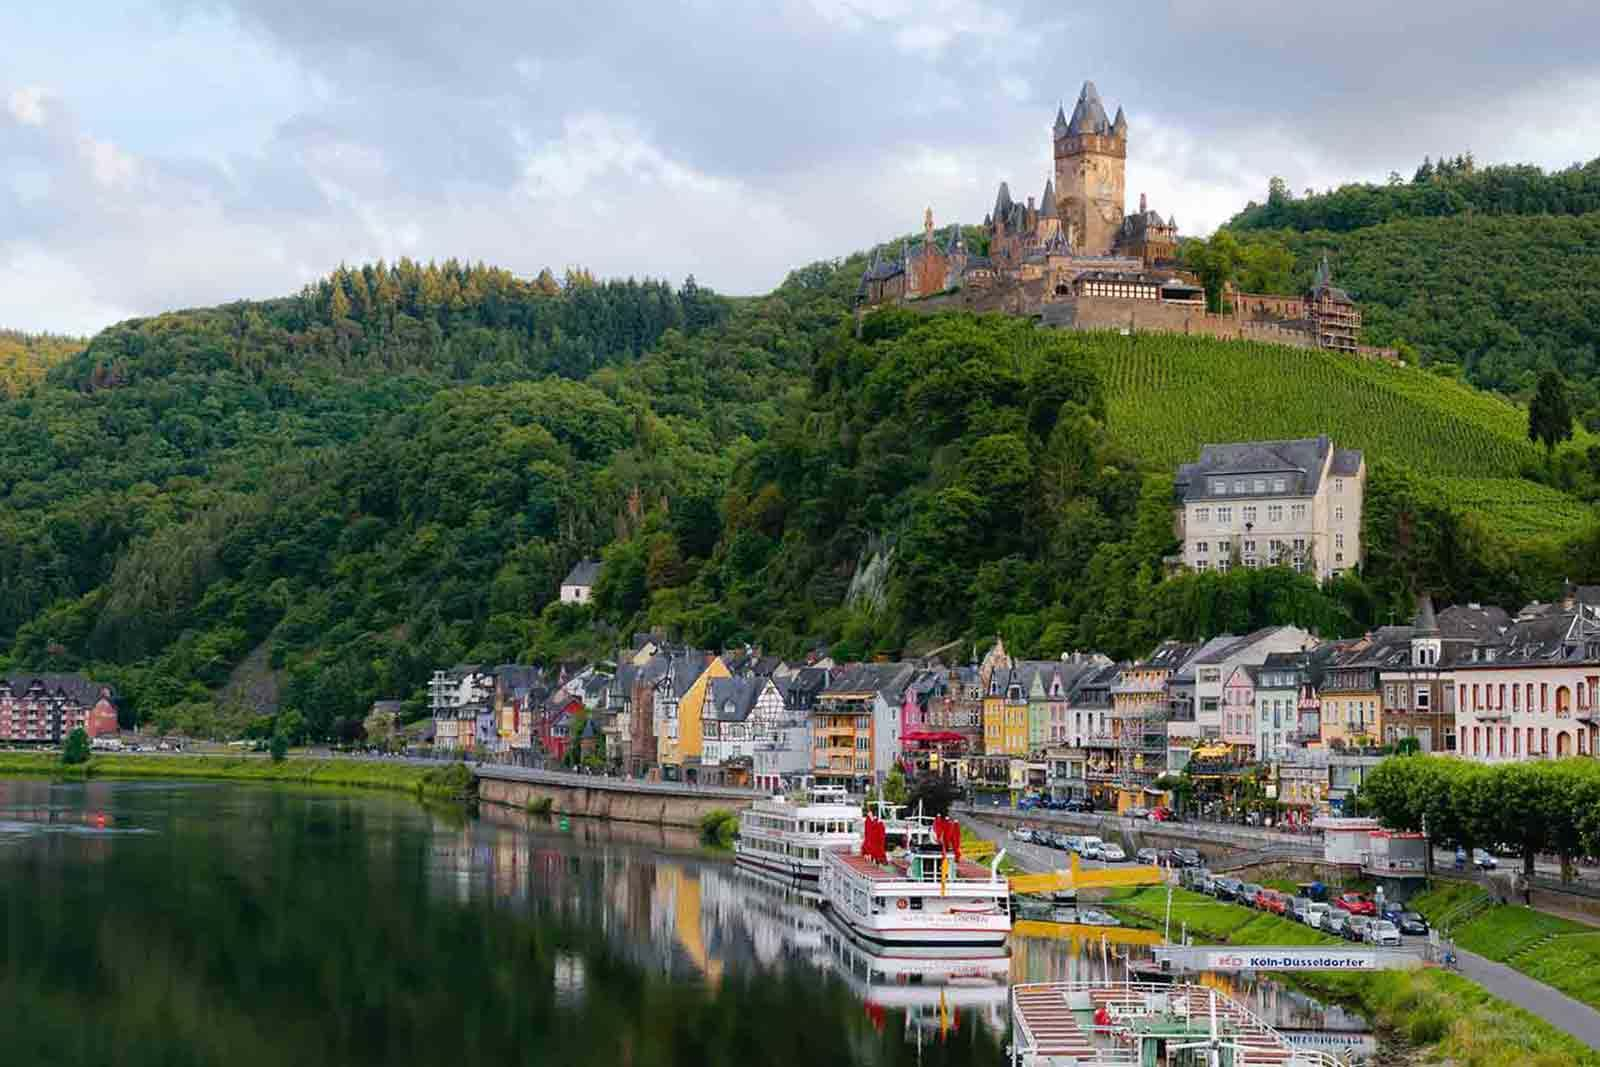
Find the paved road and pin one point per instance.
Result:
(1551, 1005)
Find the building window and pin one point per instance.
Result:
(1261, 485)
(1219, 487)
(1250, 515)
(1202, 547)
(1202, 514)
(1275, 513)
(1277, 485)
(1338, 514)
(1224, 515)
(1238, 486)
(1338, 540)
(1422, 698)
(1338, 485)
(1297, 512)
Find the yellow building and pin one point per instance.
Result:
(683, 747)
(1352, 704)
(994, 675)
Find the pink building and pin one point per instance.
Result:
(1239, 707)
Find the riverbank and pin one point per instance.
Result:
(1445, 1016)
(450, 781)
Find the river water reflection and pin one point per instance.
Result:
(156, 923)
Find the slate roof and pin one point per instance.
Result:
(1047, 205)
(584, 572)
(1089, 116)
(1203, 654)
(1299, 462)
(75, 687)
(1472, 622)
(1346, 462)
(733, 698)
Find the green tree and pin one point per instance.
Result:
(1550, 411)
(76, 750)
(279, 747)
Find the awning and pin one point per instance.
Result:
(935, 737)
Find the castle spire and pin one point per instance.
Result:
(1061, 121)
(1047, 210)
(1119, 128)
(1089, 116)
(1143, 207)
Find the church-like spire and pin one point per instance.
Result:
(1047, 208)
(1061, 121)
(1119, 127)
(1089, 116)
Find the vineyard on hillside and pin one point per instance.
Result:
(24, 357)
(1169, 395)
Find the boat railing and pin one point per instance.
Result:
(1143, 997)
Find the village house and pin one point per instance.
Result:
(678, 729)
(457, 698)
(578, 586)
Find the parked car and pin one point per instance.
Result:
(1068, 842)
(1484, 860)
(1091, 917)
(1273, 901)
(1355, 927)
(1187, 857)
(1208, 882)
(1334, 922)
(1317, 915)
(1228, 888)
(1300, 907)
(1112, 852)
(1138, 813)
(1092, 850)
(1409, 922)
(1162, 814)
(1248, 892)
(1383, 932)
(1148, 856)
(1027, 803)
(1078, 805)
(1356, 904)
(1023, 834)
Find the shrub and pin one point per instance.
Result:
(540, 806)
(76, 749)
(717, 828)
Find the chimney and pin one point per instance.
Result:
(1143, 207)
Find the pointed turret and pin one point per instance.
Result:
(1047, 207)
(955, 242)
(1061, 121)
(1089, 116)
(1143, 206)
(1426, 623)
(1119, 127)
(1002, 203)
(1324, 274)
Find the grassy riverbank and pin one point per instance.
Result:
(1449, 1018)
(450, 781)
(1559, 952)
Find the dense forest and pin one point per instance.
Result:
(1490, 273)
(298, 506)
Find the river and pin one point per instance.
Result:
(197, 923)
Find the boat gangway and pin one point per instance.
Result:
(1131, 1024)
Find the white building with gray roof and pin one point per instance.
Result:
(1273, 503)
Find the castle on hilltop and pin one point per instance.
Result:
(1076, 258)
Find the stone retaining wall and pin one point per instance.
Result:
(604, 800)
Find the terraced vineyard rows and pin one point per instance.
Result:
(1167, 396)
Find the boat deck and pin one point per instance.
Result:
(895, 869)
(1057, 1020)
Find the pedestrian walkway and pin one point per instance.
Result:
(1551, 1005)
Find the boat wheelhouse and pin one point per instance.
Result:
(920, 895)
(785, 839)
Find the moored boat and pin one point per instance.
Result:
(785, 838)
(921, 894)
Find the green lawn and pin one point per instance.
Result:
(446, 780)
(1497, 932)
(1215, 920)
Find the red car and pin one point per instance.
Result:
(1273, 901)
(1160, 814)
(1356, 904)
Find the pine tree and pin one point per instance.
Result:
(1550, 412)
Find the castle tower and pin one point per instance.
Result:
(1091, 154)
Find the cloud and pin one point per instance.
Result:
(272, 139)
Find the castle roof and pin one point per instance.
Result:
(1002, 202)
(1061, 121)
(1089, 116)
(1047, 209)
(1119, 125)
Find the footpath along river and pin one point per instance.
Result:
(147, 923)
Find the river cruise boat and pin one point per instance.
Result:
(920, 895)
(785, 838)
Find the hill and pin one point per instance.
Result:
(1167, 396)
(1493, 271)
(393, 469)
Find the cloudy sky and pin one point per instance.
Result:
(171, 153)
